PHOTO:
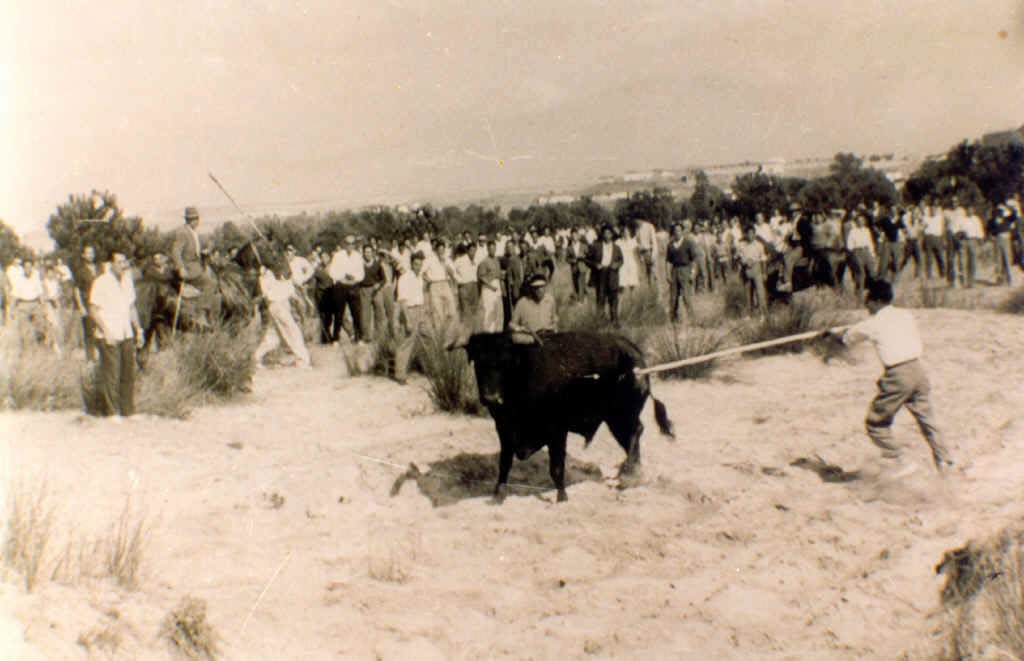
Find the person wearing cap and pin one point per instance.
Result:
(347, 270)
(605, 261)
(897, 341)
(535, 311)
(187, 256)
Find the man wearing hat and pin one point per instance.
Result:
(187, 256)
(535, 311)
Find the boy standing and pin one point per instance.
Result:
(894, 333)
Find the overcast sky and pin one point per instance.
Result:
(373, 101)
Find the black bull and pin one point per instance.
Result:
(538, 389)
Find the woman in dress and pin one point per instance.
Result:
(629, 275)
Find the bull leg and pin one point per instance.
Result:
(628, 436)
(556, 465)
(504, 466)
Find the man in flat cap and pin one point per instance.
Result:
(535, 311)
(187, 257)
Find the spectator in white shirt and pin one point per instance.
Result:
(412, 317)
(118, 332)
(346, 272)
(895, 336)
(466, 282)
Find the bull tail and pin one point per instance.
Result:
(661, 416)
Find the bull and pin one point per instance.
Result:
(539, 388)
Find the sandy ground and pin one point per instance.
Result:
(277, 511)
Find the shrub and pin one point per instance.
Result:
(219, 362)
(735, 299)
(984, 594)
(667, 345)
(187, 629)
(1015, 303)
(452, 384)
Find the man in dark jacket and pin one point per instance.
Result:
(605, 260)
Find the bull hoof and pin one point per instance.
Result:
(562, 496)
(500, 492)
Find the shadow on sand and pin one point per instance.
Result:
(826, 471)
(448, 481)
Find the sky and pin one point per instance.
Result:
(352, 102)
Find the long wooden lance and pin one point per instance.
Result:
(789, 339)
(248, 217)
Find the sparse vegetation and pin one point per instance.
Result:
(805, 313)
(187, 628)
(30, 522)
(32, 528)
(105, 640)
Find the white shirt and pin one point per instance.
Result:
(465, 271)
(645, 236)
(25, 287)
(346, 268)
(606, 255)
(434, 269)
(894, 333)
(110, 301)
(972, 226)
(302, 270)
(409, 289)
(859, 237)
(934, 223)
(274, 290)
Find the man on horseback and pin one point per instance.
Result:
(195, 283)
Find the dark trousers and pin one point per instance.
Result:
(344, 298)
(912, 251)
(89, 341)
(116, 377)
(607, 294)
(680, 288)
(862, 265)
(579, 281)
(934, 249)
(890, 258)
(469, 304)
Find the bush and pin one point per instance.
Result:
(452, 384)
(805, 313)
(219, 362)
(984, 595)
(187, 629)
(1015, 303)
(735, 299)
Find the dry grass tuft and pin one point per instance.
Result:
(103, 640)
(125, 546)
(669, 344)
(188, 630)
(451, 382)
(32, 376)
(30, 526)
